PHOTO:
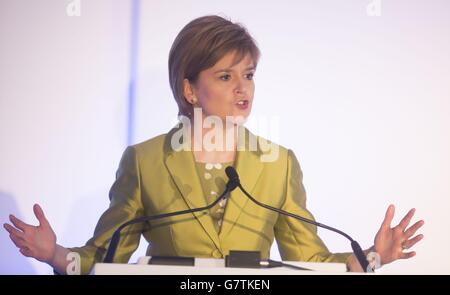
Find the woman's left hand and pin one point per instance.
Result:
(391, 242)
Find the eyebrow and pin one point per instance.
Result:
(230, 70)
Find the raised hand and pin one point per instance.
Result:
(391, 242)
(38, 242)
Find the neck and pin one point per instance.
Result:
(213, 141)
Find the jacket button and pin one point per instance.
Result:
(216, 254)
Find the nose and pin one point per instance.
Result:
(241, 88)
(239, 92)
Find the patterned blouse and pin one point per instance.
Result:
(213, 179)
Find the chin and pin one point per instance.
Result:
(238, 119)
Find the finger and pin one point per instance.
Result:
(405, 221)
(413, 228)
(19, 223)
(19, 242)
(40, 215)
(410, 243)
(388, 217)
(13, 231)
(407, 255)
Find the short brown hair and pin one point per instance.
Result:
(199, 46)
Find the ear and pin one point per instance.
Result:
(188, 92)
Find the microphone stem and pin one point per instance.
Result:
(354, 244)
(109, 257)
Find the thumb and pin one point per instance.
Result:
(40, 215)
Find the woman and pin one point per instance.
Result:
(211, 67)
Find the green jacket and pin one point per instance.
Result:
(152, 179)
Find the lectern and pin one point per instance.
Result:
(208, 266)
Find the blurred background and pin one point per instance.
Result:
(358, 89)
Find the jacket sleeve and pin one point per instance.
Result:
(125, 204)
(298, 240)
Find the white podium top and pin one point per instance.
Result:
(209, 266)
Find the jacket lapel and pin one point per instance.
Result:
(249, 167)
(181, 166)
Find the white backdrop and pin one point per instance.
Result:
(63, 105)
(362, 99)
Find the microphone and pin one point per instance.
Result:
(235, 182)
(115, 239)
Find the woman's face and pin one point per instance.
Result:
(226, 89)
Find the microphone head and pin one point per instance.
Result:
(233, 178)
(232, 174)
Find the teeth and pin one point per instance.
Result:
(241, 102)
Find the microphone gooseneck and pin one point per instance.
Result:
(234, 179)
(115, 239)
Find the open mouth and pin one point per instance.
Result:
(243, 103)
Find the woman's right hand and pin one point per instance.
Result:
(38, 242)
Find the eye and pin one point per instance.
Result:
(250, 76)
(225, 77)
